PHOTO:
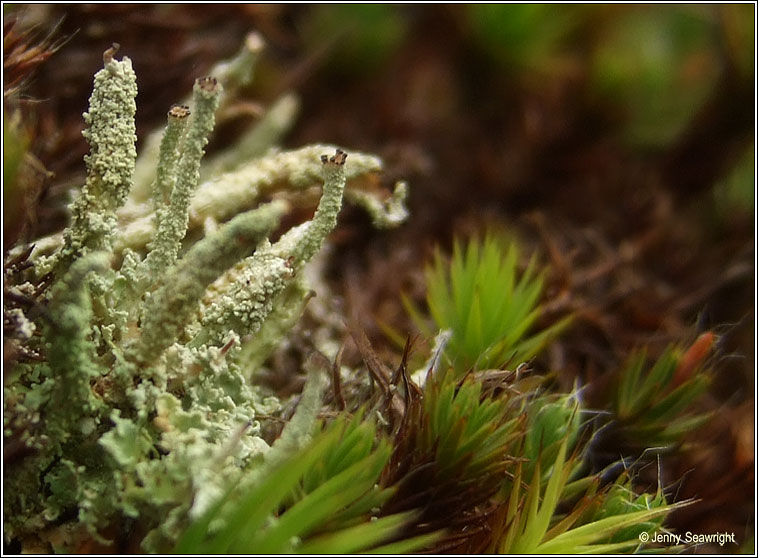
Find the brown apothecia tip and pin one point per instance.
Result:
(179, 111)
(207, 83)
(338, 158)
(110, 52)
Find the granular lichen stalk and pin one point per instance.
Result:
(172, 220)
(165, 179)
(171, 305)
(110, 132)
(244, 300)
(325, 217)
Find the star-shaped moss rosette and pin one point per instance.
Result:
(488, 306)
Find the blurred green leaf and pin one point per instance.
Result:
(736, 193)
(15, 145)
(523, 36)
(366, 34)
(658, 64)
(738, 21)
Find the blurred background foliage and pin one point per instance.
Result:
(617, 140)
(660, 66)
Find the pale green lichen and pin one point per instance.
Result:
(249, 178)
(70, 352)
(110, 132)
(169, 155)
(171, 305)
(172, 220)
(253, 144)
(281, 173)
(219, 198)
(168, 160)
(287, 310)
(140, 406)
(300, 429)
(385, 214)
(325, 218)
(233, 74)
(245, 301)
